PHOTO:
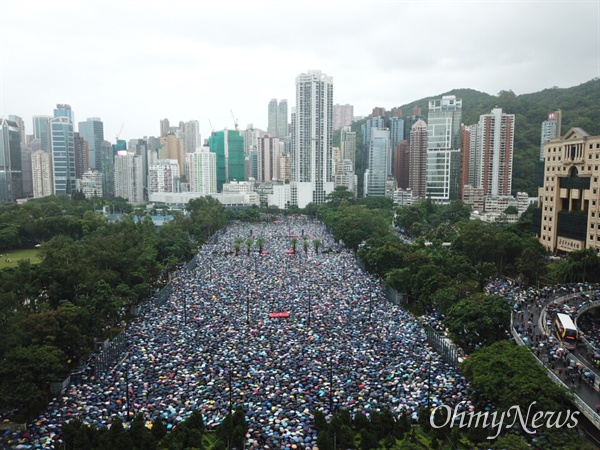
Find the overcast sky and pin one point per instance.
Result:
(136, 62)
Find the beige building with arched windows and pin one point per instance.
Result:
(570, 198)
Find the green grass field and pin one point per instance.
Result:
(12, 258)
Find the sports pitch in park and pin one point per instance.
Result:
(12, 258)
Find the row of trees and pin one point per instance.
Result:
(189, 434)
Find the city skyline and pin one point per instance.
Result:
(137, 75)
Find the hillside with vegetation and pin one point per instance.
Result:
(579, 106)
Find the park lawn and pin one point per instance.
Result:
(14, 256)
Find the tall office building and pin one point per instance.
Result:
(82, 162)
(272, 118)
(342, 116)
(41, 173)
(551, 129)
(417, 114)
(495, 140)
(107, 163)
(128, 180)
(11, 176)
(418, 159)
(21, 124)
(92, 130)
(443, 148)
(380, 162)
(268, 158)
(201, 171)
(191, 136)
(63, 152)
(228, 146)
(568, 217)
(348, 145)
(312, 157)
(41, 131)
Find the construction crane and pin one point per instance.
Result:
(119, 133)
(212, 129)
(235, 121)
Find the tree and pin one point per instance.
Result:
(305, 244)
(249, 244)
(25, 373)
(261, 244)
(294, 242)
(479, 319)
(317, 244)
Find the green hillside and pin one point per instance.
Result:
(580, 106)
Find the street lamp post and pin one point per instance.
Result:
(309, 301)
(429, 382)
(331, 384)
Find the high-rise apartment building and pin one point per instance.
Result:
(268, 158)
(401, 164)
(163, 176)
(164, 127)
(443, 148)
(345, 176)
(282, 119)
(41, 173)
(172, 148)
(568, 217)
(380, 162)
(11, 176)
(348, 144)
(312, 157)
(63, 151)
(278, 118)
(201, 171)
(191, 136)
(128, 180)
(92, 130)
(90, 184)
(342, 116)
(495, 136)
(418, 159)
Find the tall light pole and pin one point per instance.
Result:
(429, 382)
(309, 300)
(331, 384)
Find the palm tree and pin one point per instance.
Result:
(261, 243)
(305, 245)
(317, 244)
(294, 242)
(237, 244)
(249, 244)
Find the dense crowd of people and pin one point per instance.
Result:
(214, 345)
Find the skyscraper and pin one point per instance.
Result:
(348, 145)
(282, 119)
(82, 162)
(278, 118)
(41, 173)
(92, 130)
(342, 116)
(443, 148)
(128, 177)
(495, 134)
(380, 162)
(163, 176)
(312, 157)
(550, 129)
(268, 158)
(41, 131)
(164, 127)
(63, 150)
(228, 145)
(418, 159)
(191, 136)
(21, 124)
(11, 176)
(201, 171)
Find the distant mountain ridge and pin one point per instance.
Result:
(580, 106)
